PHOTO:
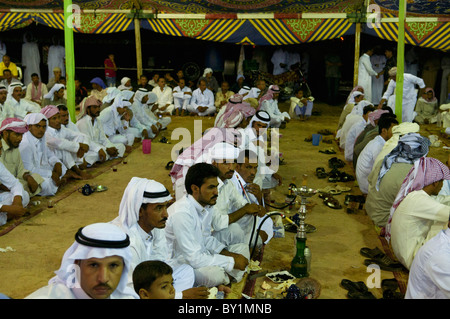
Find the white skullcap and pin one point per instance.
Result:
(139, 191)
(98, 240)
(207, 70)
(34, 118)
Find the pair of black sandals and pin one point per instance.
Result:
(334, 175)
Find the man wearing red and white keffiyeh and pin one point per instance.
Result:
(418, 214)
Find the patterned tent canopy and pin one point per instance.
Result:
(259, 22)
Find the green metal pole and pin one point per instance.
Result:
(70, 58)
(400, 59)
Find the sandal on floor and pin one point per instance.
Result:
(320, 172)
(360, 295)
(325, 132)
(344, 177)
(385, 263)
(328, 151)
(335, 162)
(169, 165)
(389, 284)
(308, 139)
(354, 285)
(371, 253)
(332, 202)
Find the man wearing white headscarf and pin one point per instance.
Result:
(15, 105)
(230, 206)
(111, 119)
(143, 215)
(111, 93)
(38, 158)
(64, 144)
(165, 98)
(409, 98)
(151, 107)
(269, 103)
(3, 96)
(125, 84)
(96, 266)
(55, 96)
(12, 130)
(355, 130)
(182, 95)
(210, 80)
(202, 101)
(148, 126)
(88, 123)
(418, 213)
(188, 232)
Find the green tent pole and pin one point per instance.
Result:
(70, 58)
(400, 60)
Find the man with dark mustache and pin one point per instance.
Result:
(95, 266)
(143, 216)
(188, 232)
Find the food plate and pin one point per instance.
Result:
(101, 188)
(280, 276)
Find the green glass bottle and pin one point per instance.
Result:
(299, 265)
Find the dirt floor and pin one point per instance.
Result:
(32, 248)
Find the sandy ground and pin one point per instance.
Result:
(39, 242)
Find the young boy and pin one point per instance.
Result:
(153, 280)
(301, 106)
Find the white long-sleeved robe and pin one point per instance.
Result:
(113, 126)
(199, 98)
(365, 74)
(164, 97)
(276, 116)
(365, 162)
(409, 95)
(180, 99)
(378, 64)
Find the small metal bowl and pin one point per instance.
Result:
(101, 188)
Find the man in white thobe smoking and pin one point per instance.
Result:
(230, 206)
(365, 74)
(370, 152)
(15, 105)
(182, 95)
(89, 124)
(409, 98)
(37, 156)
(64, 145)
(165, 98)
(143, 215)
(188, 232)
(202, 101)
(418, 213)
(95, 266)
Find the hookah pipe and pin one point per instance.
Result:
(288, 204)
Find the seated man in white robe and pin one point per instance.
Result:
(143, 215)
(111, 93)
(356, 129)
(15, 105)
(37, 156)
(182, 95)
(427, 108)
(13, 198)
(188, 232)
(95, 266)
(55, 96)
(244, 175)
(366, 159)
(165, 98)
(144, 121)
(418, 214)
(429, 274)
(151, 107)
(89, 124)
(64, 145)
(230, 207)
(269, 103)
(202, 101)
(12, 130)
(114, 129)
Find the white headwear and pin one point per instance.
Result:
(127, 94)
(123, 82)
(34, 118)
(111, 93)
(393, 71)
(140, 94)
(12, 86)
(152, 98)
(50, 95)
(221, 151)
(139, 191)
(98, 240)
(207, 70)
(260, 116)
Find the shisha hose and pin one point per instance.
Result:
(259, 229)
(288, 204)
